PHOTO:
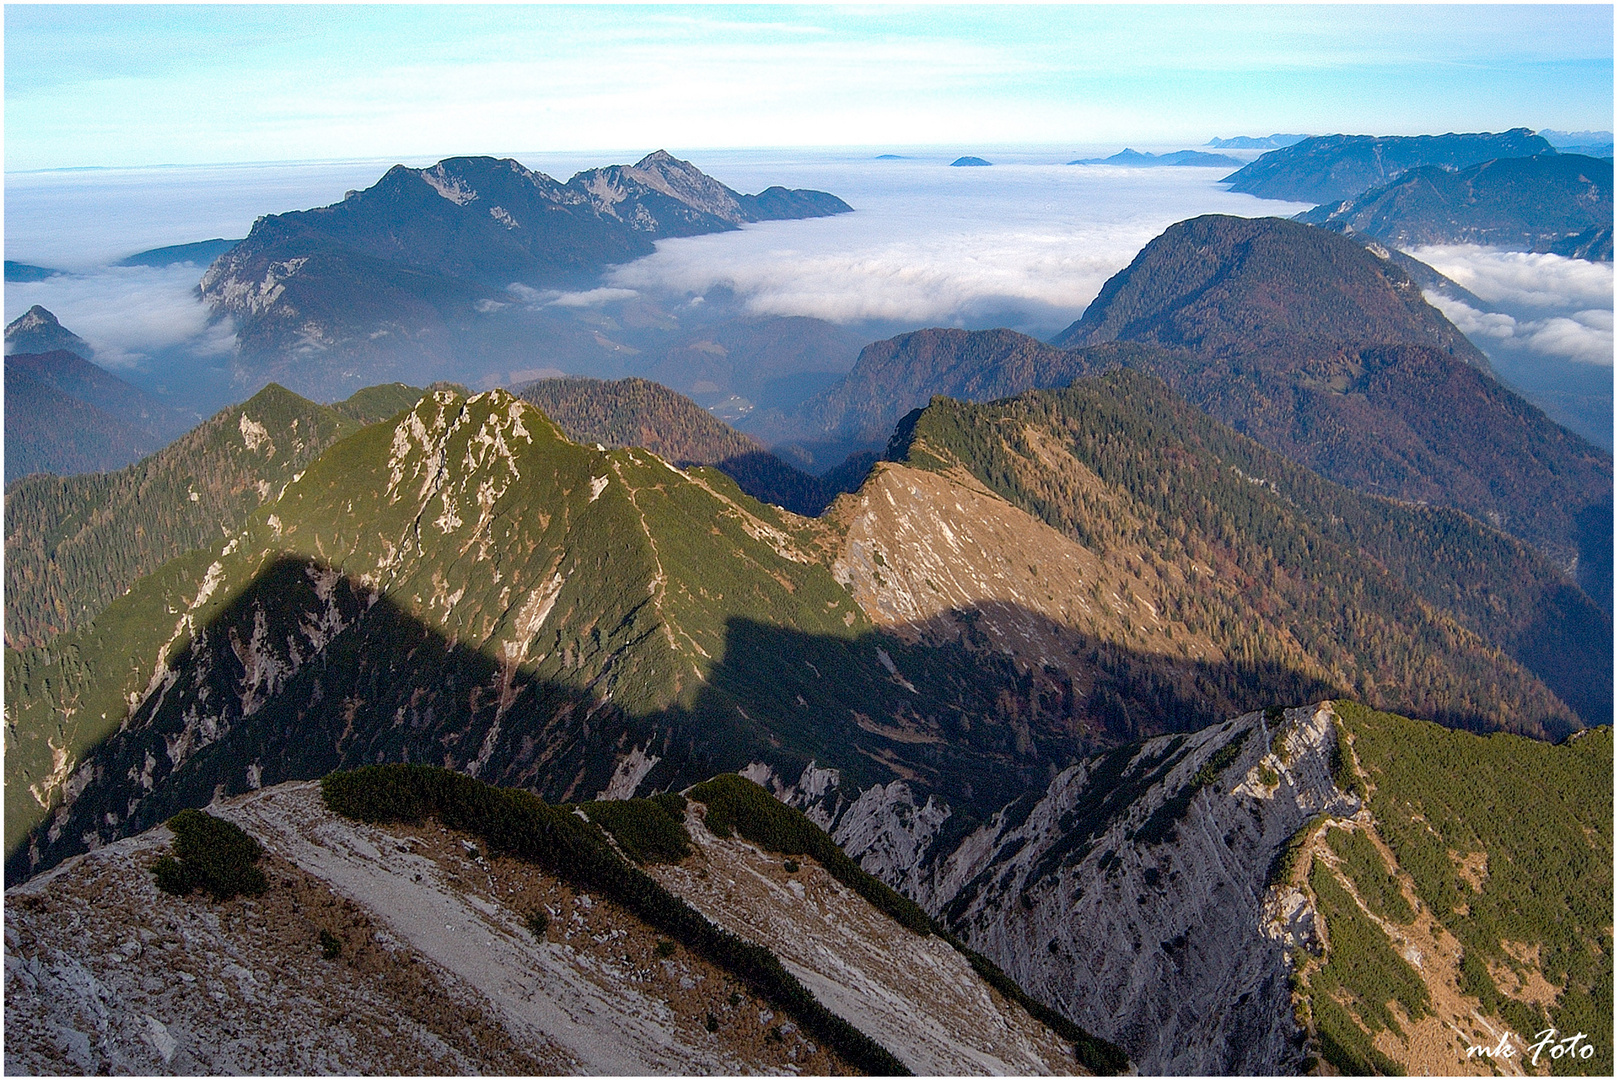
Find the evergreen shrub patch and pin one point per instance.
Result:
(210, 854)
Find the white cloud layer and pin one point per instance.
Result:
(1521, 278)
(1553, 306)
(1026, 243)
(129, 314)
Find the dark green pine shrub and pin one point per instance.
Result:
(210, 854)
(646, 830)
(330, 945)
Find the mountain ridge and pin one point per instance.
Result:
(73, 544)
(1354, 378)
(1548, 203)
(391, 276)
(370, 883)
(1330, 168)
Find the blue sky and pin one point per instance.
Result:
(139, 85)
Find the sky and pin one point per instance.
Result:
(136, 85)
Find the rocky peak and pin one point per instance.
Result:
(32, 319)
(37, 331)
(631, 193)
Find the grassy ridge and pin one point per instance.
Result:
(73, 544)
(1424, 611)
(521, 825)
(599, 601)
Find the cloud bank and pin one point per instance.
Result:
(129, 314)
(1552, 306)
(927, 244)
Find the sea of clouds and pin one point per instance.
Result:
(1551, 306)
(83, 221)
(130, 314)
(1025, 243)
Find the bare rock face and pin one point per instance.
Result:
(1134, 894)
(915, 995)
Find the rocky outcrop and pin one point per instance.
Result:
(37, 331)
(1133, 894)
(915, 995)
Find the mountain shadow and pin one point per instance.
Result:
(306, 671)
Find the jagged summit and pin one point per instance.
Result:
(393, 275)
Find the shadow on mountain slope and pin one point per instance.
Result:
(307, 671)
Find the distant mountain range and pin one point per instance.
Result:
(1590, 143)
(1558, 202)
(200, 253)
(1251, 142)
(24, 272)
(1330, 168)
(394, 277)
(1179, 157)
(970, 161)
